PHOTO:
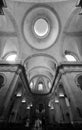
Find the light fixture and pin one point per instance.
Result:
(61, 91)
(23, 100)
(19, 94)
(11, 57)
(61, 94)
(56, 99)
(28, 107)
(52, 107)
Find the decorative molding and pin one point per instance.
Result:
(39, 1)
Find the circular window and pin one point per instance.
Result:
(2, 80)
(79, 80)
(41, 27)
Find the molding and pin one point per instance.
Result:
(40, 1)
